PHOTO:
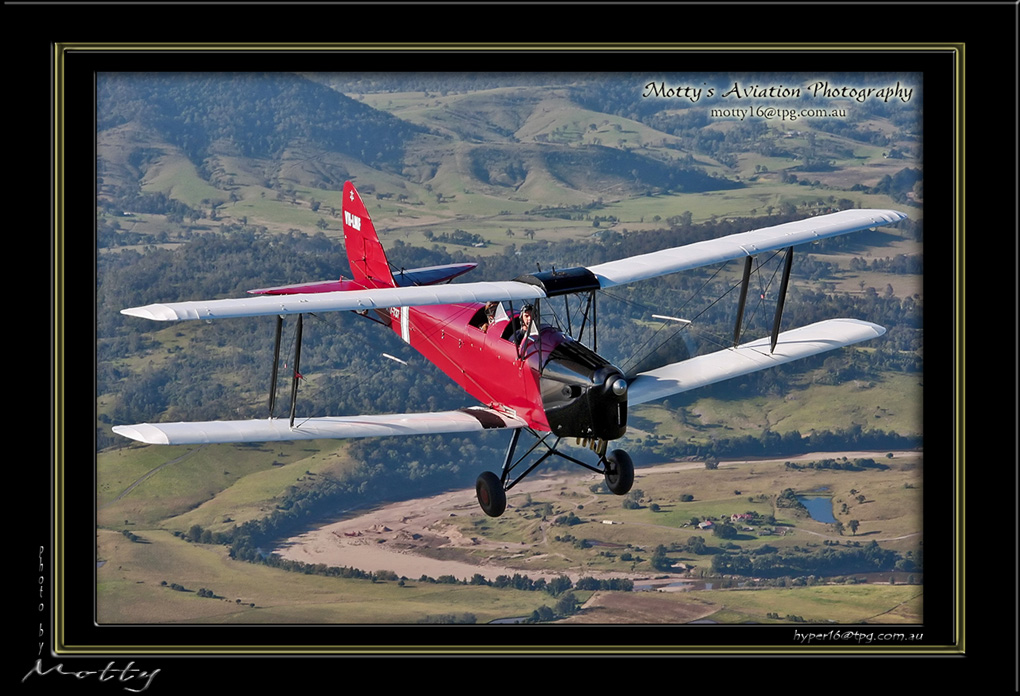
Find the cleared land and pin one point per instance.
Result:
(448, 535)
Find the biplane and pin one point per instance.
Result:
(495, 340)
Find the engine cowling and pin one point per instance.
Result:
(583, 394)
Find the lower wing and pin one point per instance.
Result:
(466, 420)
(647, 386)
(715, 367)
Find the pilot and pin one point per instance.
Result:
(525, 329)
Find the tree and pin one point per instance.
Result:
(558, 585)
(543, 613)
(854, 524)
(659, 559)
(567, 604)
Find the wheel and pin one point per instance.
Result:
(491, 495)
(619, 472)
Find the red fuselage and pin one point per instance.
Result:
(554, 383)
(483, 363)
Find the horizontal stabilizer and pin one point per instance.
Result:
(750, 357)
(466, 420)
(431, 275)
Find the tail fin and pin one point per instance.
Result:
(364, 251)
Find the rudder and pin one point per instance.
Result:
(365, 252)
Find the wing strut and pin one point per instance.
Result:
(782, 298)
(276, 365)
(297, 368)
(743, 299)
(584, 316)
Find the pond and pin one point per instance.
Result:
(660, 586)
(819, 507)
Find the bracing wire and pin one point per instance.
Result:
(637, 356)
(763, 288)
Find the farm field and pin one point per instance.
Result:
(447, 536)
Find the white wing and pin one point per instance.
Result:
(737, 246)
(357, 300)
(647, 386)
(608, 274)
(467, 420)
(750, 357)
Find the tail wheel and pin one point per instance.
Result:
(619, 472)
(491, 495)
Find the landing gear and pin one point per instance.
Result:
(619, 472)
(491, 495)
(491, 489)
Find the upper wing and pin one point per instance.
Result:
(750, 357)
(602, 275)
(737, 246)
(357, 300)
(466, 420)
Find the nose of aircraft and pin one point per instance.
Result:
(583, 394)
(607, 400)
(620, 387)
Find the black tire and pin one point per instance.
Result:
(619, 472)
(491, 495)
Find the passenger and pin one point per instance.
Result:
(490, 315)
